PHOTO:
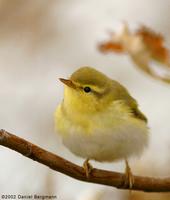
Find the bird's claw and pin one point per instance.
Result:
(87, 167)
(129, 179)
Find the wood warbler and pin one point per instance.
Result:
(99, 120)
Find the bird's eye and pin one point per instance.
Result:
(87, 89)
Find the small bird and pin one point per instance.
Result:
(99, 120)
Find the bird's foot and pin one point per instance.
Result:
(87, 167)
(129, 179)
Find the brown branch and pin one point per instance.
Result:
(147, 184)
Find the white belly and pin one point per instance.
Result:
(108, 145)
(105, 141)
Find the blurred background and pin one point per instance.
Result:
(41, 41)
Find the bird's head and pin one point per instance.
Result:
(87, 90)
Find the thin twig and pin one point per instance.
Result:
(147, 184)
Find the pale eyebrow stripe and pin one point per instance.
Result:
(100, 95)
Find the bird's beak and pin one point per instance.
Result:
(68, 82)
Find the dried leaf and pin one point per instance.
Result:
(155, 44)
(143, 46)
(110, 46)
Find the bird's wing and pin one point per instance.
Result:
(137, 113)
(133, 105)
(123, 94)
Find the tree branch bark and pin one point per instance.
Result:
(147, 184)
